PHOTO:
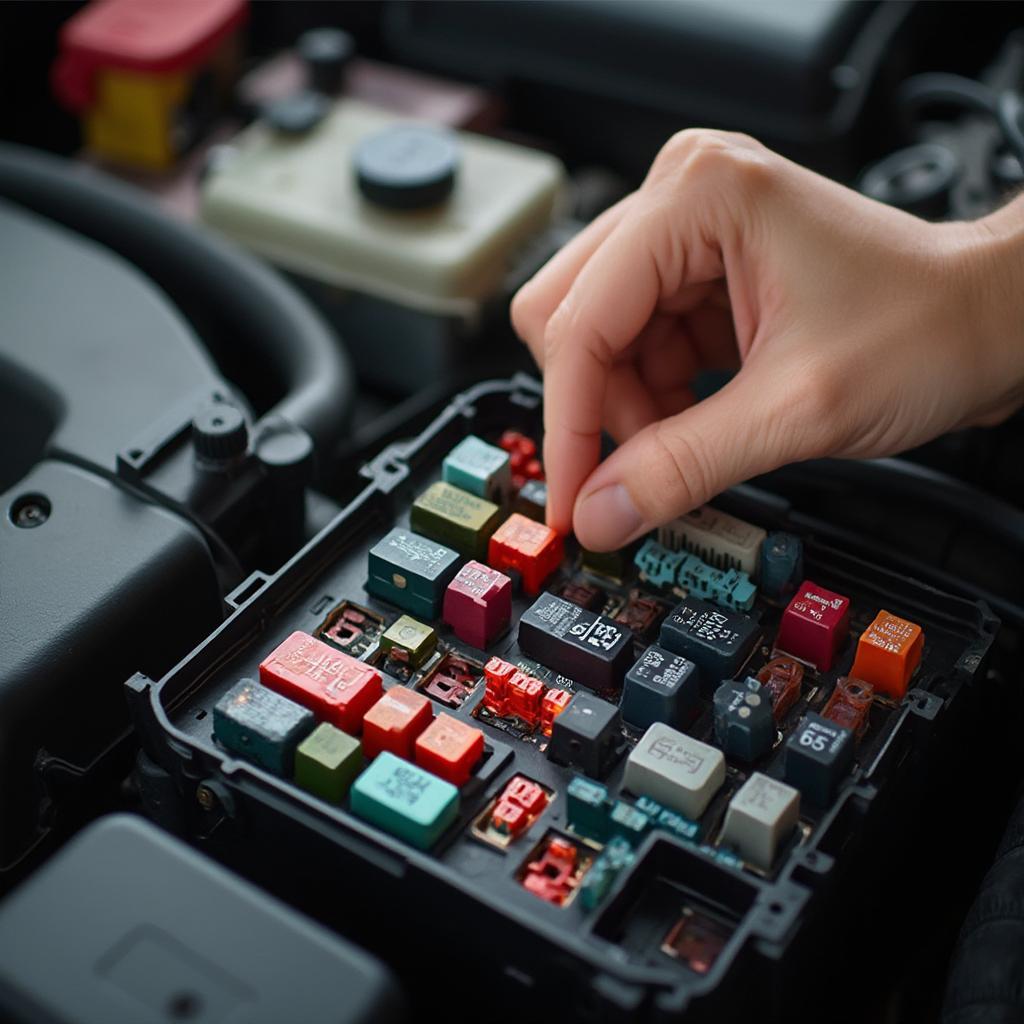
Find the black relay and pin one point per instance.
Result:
(716, 640)
(590, 649)
(588, 736)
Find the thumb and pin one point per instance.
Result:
(678, 463)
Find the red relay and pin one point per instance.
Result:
(478, 603)
(814, 625)
(532, 549)
(334, 685)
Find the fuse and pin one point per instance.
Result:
(525, 697)
(850, 704)
(409, 641)
(588, 807)
(330, 683)
(480, 469)
(669, 821)
(261, 726)
(721, 540)
(641, 615)
(718, 641)
(730, 588)
(531, 549)
(449, 748)
(781, 679)
(394, 722)
(675, 769)
(327, 762)
(518, 806)
(584, 646)
(452, 680)
(819, 755)
(628, 822)
(554, 703)
(554, 872)
(478, 604)
(405, 800)
(761, 817)
(814, 625)
(888, 653)
(614, 859)
(782, 564)
(744, 726)
(455, 517)
(587, 735)
(660, 687)
(411, 572)
(497, 676)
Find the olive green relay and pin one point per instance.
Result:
(415, 639)
(456, 518)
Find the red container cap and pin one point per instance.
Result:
(149, 36)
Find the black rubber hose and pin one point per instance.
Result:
(986, 979)
(244, 311)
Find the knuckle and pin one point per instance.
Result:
(716, 156)
(525, 313)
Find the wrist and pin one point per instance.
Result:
(987, 280)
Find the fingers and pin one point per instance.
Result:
(534, 303)
(675, 464)
(652, 253)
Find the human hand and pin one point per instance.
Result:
(858, 329)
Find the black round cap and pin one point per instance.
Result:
(285, 451)
(326, 53)
(917, 179)
(219, 433)
(298, 113)
(408, 167)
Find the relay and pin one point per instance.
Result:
(411, 572)
(587, 735)
(718, 641)
(660, 687)
(585, 646)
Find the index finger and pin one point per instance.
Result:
(645, 258)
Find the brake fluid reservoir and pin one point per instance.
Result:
(421, 218)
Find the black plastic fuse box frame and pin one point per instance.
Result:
(459, 912)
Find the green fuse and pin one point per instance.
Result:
(615, 858)
(480, 468)
(261, 725)
(628, 822)
(415, 640)
(327, 761)
(454, 517)
(405, 800)
(587, 809)
(670, 821)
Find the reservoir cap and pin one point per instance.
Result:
(407, 167)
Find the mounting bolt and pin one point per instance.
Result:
(206, 797)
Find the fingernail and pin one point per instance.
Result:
(612, 518)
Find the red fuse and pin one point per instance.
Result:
(449, 748)
(509, 818)
(516, 443)
(782, 677)
(332, 684)
(478, 603)
(395, 721)
(497, 674)
(555, 874)
(530, 548)
(554, 703)
(814, 625)
(525, 696)
(850, 704)
(528, 795)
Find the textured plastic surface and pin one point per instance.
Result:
(141, 929)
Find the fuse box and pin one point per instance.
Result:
(664, 805)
